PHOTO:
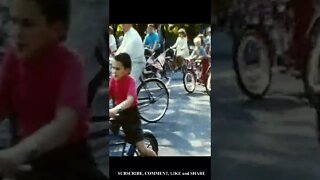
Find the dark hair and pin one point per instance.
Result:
(110, 30)
(56, 10)
(125, 60)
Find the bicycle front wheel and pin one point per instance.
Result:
(189, 81)
(150, 142)
(153, 100)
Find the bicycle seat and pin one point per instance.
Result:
(169, 58)
(146, 72)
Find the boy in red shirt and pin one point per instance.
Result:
(123, 91)
(42, 83)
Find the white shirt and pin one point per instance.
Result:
(112, 43)
(133, 45)
(182, 47)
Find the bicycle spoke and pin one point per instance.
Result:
(150, 103)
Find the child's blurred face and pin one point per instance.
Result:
(31, 32)
(197, 42)
(119, 71)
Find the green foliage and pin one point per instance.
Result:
(118, 31)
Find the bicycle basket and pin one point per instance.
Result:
(158, 62)
(162, 58)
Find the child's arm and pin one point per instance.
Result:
(145, 41)
(132, 93)
(176, 43)
(125, 104)
(122, 106)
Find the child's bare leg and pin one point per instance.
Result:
(144, 151)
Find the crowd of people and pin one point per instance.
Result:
(155, 41)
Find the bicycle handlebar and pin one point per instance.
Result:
(112, 119)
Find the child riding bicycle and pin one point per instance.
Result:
(199, 53)
(123, 90)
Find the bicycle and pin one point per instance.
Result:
(255, 55)
(150, 91)
(208, 83)
(130, 150)
(161, 66)
(193, 75)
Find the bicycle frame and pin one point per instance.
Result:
(194, 65)
(127, 148)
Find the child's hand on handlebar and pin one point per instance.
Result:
(11, 162)
(112, 113)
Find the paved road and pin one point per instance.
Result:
(273, 138)
(185, 130)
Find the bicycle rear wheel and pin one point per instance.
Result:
(252, 65)
(153, 100)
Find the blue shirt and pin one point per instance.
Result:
(150, 39)
(198, 52)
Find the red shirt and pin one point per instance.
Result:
(34, 90)
(121, 89)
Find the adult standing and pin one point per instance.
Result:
(112, 41)
(133, 45)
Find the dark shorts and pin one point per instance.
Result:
(65, 163)
(129, 120)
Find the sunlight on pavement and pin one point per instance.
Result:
(188, 111)
(165, 142)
